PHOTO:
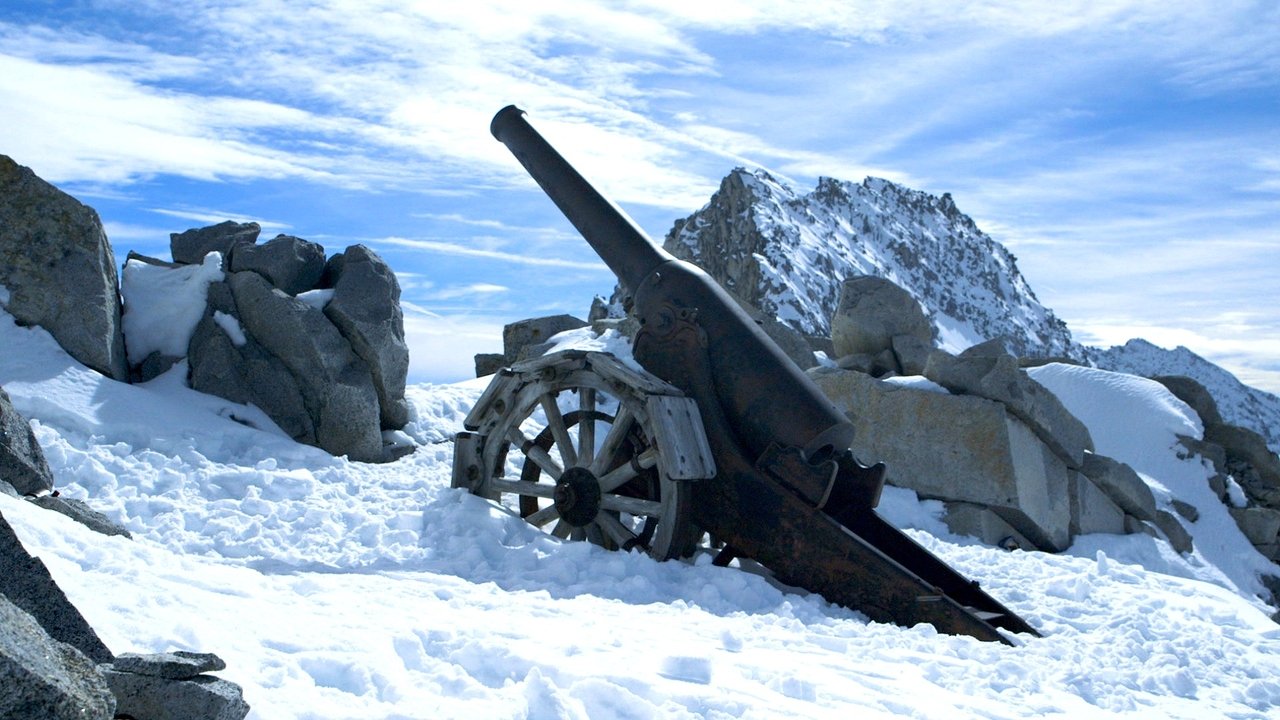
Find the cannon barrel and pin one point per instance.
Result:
(765, 397)
(613, 235)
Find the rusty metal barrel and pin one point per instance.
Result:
(765, 397)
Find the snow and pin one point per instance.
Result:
(231, 327)
(163, 305)
(1138, 421)
(336, 589)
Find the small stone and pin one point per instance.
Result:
(178, 665)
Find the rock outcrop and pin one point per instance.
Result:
(174, 686)
(43, 678)
(58, 271)
(22, 462)
(317, 345)
(26, 582)
(788, 253)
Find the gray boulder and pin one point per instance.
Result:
(1260, 525)
(957, 448)
(246, 373)
(26, 582)
(1092, 510)
(80, 511)
(22, 462)
(870, 312)
(1179, 539)
(59, 269)
(335, 384)
(290, 263)
(988, 371)
(1122, 485)
(46, 679)
(489, 363)
(366, 310)
(518, 335)
(1191, 392)
(190, 247)
(203, 697)
(177, 665)
(983, 523)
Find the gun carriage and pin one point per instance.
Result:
(716, 432)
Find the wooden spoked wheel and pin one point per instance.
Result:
(568, 442)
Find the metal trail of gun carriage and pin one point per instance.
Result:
(720, 433)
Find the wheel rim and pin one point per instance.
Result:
(575, 460)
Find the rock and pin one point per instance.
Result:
(1215, 454)
(336, 386)
(366, 310)
(22, 462)
(289, 263)
(489, 363)
(80, 511)
(41, 678)
(1174, 532)
(177, 665)
(190, 247)
(1121, 484)
(203, 697)
(1186, 510)
(59, 269)
(957, 448)
(534, 331)
(1194, 394)
(981, 522)
(246, 373)
(987, 371)
(879, 365)
(1134, 526)
(1260, 525)
(1092, 510)
(1242, 444)
(870, 312)
(912, 353)
(26, 582)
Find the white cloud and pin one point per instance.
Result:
(447, 248)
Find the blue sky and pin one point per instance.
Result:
(1127, 152)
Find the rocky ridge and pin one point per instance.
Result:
(787, 253)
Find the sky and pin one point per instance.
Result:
(1127, 152)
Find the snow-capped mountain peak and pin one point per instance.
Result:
(788, 253)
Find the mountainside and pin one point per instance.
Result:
(1238, 403)
(788, 253)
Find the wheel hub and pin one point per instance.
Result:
(577, 496)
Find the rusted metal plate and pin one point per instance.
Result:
(680, 437)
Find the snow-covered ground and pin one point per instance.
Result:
(343, 590)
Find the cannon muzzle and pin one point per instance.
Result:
(613, 235)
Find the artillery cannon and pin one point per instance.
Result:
(719, 433)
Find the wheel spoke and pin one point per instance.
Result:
(543, 516)
(612, 441)
(624, 473)
(531, 450)
(542, 490)
(578, 534)
(633, 506)
(615, 529)
(562, 530)
(559, 430)
(587, 427)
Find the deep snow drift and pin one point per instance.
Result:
(343, 590)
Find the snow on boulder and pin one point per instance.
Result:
(163, 303)
(1139, 422)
